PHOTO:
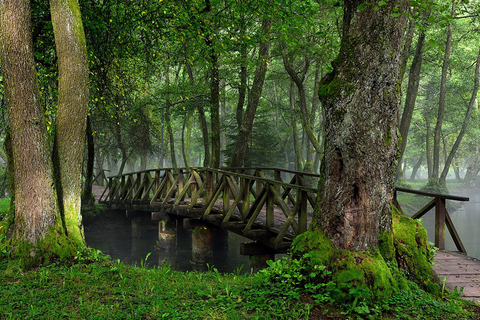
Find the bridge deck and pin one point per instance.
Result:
(460, 271)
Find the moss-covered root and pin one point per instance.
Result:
(355, 274)
(413, 253)
(52, 248)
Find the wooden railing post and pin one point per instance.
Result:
(270, 214)
(440, 213)
(302, 213)
(209, 187)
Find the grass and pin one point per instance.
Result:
(97, 288)
(94, 287)
(4, 206)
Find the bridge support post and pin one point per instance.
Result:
(258, 254)
(202, 242)
(141, 235)
(167, 231)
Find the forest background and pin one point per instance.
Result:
(234, 83)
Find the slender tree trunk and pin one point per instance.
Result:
(441, 102)
(298, 80)
(242, 90)
(296, 143)
(87, 200)
(466, 120)
(253, 99)
(215, 107)
(72, 111)
(361, 111)
(416, 167)
(202, 118)
(168, 123)
(411, 96)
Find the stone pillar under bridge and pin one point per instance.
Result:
(258, 253)
(142, 229)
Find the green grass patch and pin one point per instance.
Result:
(4, 206)
(97, 288)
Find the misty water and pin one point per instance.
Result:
(132, 240)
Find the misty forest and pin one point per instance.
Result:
(364, 96)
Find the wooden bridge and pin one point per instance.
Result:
(268, 205)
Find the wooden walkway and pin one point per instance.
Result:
(460, 271)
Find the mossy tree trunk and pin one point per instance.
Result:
(72, 111)
(47, 223)
(356, 232)
(361, 98)
(37, 216)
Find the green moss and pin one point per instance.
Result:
(355, 274)
(413, 252)
(316, 243)
(360, 274)
(386, 246)
(330, 89)
(73, 224)
(55, 246)
(388, 139)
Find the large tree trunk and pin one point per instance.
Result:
(71, 112)
(354, 229)
(361, 101)
(38, 228)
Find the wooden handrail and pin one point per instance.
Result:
(170, 183)
(430, 194)
(442, 217)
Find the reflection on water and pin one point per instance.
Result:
(131, 240)
(466, 219)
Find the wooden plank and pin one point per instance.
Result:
(460, 271)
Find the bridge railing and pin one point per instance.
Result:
(252, 200)
(259, 207)
(442, 217)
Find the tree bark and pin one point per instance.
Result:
(416, 167)
(361, 98)
(202, 118)
(37, 217)
(72, 111)
(87, 201)
(298, 80)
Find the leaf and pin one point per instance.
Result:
(362, 6)
(381, 3)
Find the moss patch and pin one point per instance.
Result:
(355, 274)
(413, 252)
(403, 253)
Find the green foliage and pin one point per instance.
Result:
(293, 277)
